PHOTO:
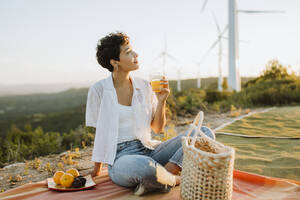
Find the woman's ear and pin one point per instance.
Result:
(114, 63)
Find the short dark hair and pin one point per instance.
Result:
(109, 47)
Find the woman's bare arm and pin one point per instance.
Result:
(159, 120)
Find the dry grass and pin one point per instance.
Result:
(283, 121)
(270, 157)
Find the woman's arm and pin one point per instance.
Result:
(159, 121)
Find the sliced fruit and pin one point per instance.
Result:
(66, 180)
(57, 177)
(74, 172)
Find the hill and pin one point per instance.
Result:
(40, 109)
(62, 111)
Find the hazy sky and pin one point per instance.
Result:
(54, 41)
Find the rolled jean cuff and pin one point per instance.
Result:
(176, 162)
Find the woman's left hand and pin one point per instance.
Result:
(164, 92)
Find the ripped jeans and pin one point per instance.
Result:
(135, 164)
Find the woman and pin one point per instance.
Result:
(124, 109)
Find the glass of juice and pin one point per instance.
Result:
(157, 81)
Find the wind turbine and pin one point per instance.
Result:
(198, 74)
(164, 55)
(178, 70)
(220, 53)
(217, 42)
(234, 80)
(220, 79)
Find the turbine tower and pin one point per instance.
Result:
(178, 70)
(198, 74)
(234, 81)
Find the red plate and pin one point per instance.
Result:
(52, 185)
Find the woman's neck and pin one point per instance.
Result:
(121, 79)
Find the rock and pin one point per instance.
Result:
(85, 165)
(63, 154)
(14, 165)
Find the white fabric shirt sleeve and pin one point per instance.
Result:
(92, 107)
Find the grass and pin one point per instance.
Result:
(265, 156)
(282, 121)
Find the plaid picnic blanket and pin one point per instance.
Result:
(246, 186)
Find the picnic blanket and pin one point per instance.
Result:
(246, 186)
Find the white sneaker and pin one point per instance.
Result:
(139, 190)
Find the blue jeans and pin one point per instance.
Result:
(135, 164)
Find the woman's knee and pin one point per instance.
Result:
(140, 169)
(207, 131)
(131, 170)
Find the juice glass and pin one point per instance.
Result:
(157, 82)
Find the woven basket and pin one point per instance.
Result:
(207, 168)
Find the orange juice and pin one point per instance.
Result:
(155, 84)
(164, 83)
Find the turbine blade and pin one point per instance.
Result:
(157, 57)
(211, 48)
(224, 30)
(242, 41)
(216, 22)
(204, 5)
(172, 57)
(261, 11)
(213, 45)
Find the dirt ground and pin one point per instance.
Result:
(17, 174)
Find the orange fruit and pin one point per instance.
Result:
(66, 180)
(74, 172)
(57, 176)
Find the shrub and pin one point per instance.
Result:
(214, 95)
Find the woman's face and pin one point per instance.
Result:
(128, 59)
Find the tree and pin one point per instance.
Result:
(274, 70)
(225, 85)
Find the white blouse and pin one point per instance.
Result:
(126, 124)
(102, 112)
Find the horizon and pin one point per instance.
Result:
(91, 82)
(52, 88)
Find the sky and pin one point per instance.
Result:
(50, 42)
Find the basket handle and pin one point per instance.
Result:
(194, 124)
(197, 124)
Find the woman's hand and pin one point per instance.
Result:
(164, 92)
